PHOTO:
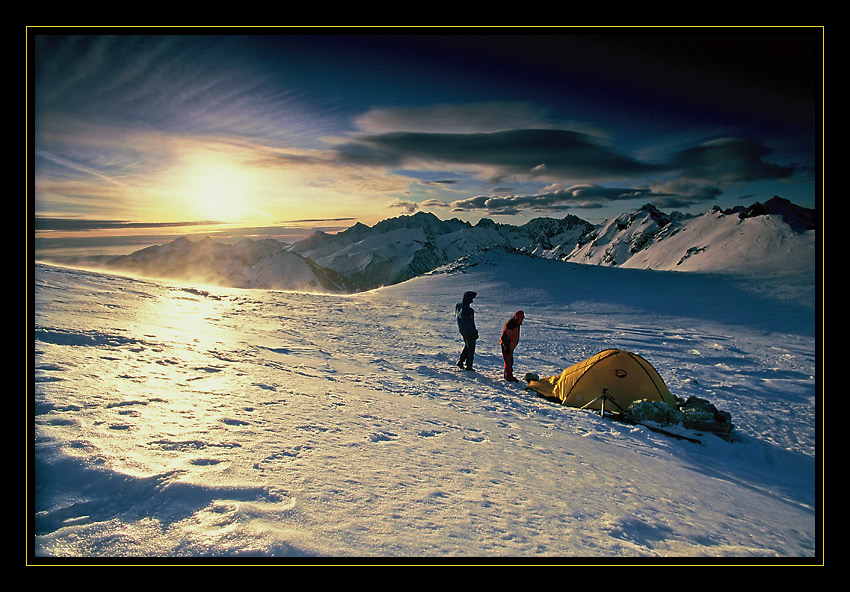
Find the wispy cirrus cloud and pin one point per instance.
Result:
(140, 127)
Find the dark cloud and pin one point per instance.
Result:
(695, 175)
(704, 172)
(441, 182)
(559, 152)
(729, 160)
(483, 116)
(692, 176)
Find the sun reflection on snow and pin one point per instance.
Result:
(191, 329)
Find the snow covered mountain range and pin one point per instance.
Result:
(773, 237)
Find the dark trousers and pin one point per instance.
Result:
(468, 352)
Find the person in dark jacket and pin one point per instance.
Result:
(508, 341)
(466, 325)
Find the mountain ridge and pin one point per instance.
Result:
(774, 236)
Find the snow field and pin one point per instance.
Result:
(177, 421)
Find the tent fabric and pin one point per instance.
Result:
(624, 376)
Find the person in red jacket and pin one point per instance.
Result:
(508, 341)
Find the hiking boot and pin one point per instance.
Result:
(511, 379)
(460, 364)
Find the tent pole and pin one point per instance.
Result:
(604, 397)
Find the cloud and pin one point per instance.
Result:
(488, 116)
(407, 207)
(699, 174)
(555, 153)
(118, 116)
(556, 198)
(729, 160)
(189, 83)
(48, 223)
(704, 172)
(518, 142)
(446, 182)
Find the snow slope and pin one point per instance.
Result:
(264, 264)
(176, 420)
(714, 242)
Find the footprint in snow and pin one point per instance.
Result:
(230, 421)
(383, 437)
(430, 433)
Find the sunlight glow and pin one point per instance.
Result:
(215, 188)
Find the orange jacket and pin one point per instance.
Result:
(510, 334)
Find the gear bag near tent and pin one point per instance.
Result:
(623, 377)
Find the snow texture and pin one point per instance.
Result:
(181, 420)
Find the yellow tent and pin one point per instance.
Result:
(623, 376)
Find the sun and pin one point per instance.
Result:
(216, 189)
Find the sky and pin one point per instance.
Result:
(139, 136)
